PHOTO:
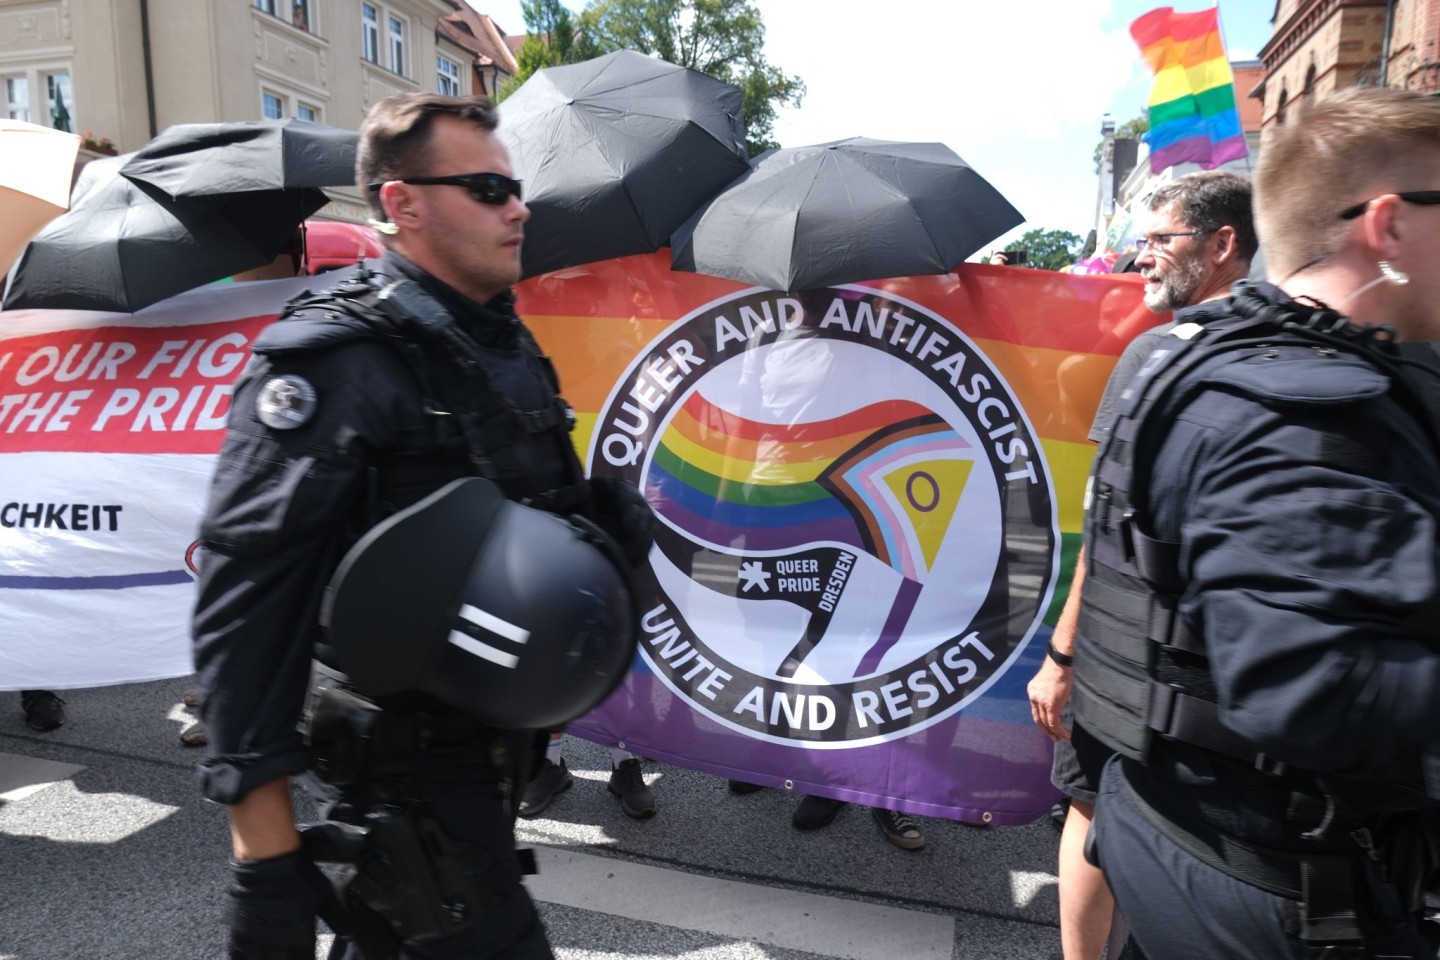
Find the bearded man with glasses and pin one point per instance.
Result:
(360, 402)
(1199, 240)
(1258, 636)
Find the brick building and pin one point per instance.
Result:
(1323, 45)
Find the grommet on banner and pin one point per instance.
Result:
(987, 816)
(621, 745)
(789, 784)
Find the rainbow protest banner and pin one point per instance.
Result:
(868, 502)
(1193, 116)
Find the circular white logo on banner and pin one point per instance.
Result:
(857, 531)
(285, 402)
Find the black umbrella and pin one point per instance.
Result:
(202, 159)
(124, 245)
(617, 152)
(856, 209)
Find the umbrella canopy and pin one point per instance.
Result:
(123, 246)
(203, 159)
(36, 166)
(856, 209)
(617, 152)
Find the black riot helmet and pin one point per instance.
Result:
(516, 617)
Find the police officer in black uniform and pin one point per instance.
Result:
(359, 403)
(1198, 241)
(1259, 636)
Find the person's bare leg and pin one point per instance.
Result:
(1086, 903)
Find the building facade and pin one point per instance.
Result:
(1323, 45)
(123, 70)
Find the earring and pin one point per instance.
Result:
(1397, 277)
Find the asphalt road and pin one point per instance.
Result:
(107, 852)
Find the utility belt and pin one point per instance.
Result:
(1330, 889)
(353, 740)
(408, 880)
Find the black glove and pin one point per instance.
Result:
(622, 513)
(273, 905)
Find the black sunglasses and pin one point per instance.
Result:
(1422, 197)
(493, 189)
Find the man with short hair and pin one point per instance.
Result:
(1199, 240)
(352, 410)
(1257, 638)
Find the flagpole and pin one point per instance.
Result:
(1225, 45)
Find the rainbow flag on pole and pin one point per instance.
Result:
(1192, 105)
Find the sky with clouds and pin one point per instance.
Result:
(1016, 87)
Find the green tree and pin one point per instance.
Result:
(552, 38)
(1131, 129)
(1049, 249)
(722, 38)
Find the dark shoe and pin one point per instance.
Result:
(816, 812)
(627, 783)
(195, 735)
(43, 709)
(190, 699)
(898, 828)
(552, 780)
(743, 787)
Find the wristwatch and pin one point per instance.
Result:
(1065, 660)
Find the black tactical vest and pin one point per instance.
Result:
(1140, 670)
(480, 430)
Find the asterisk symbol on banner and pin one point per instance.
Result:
(754, 575)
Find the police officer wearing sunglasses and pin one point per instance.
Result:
(360, 402)
(1257, 639)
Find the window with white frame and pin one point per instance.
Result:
(278, 104)
(17, 98)
(296, 12)
(447, 76)
(41, 94)
(395, 34)
(370, 32)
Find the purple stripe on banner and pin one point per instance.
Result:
(118, 582)
(1199, 150)
(900, 611)
(759, 538)
(964, 768)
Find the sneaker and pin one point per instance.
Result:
(743, 787)
(628, 783)
(43, 709)
(898, 828)
(549, 782)
(816, 812)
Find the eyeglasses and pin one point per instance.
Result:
(1162, 240)
(1423, 197)
(492, 189)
